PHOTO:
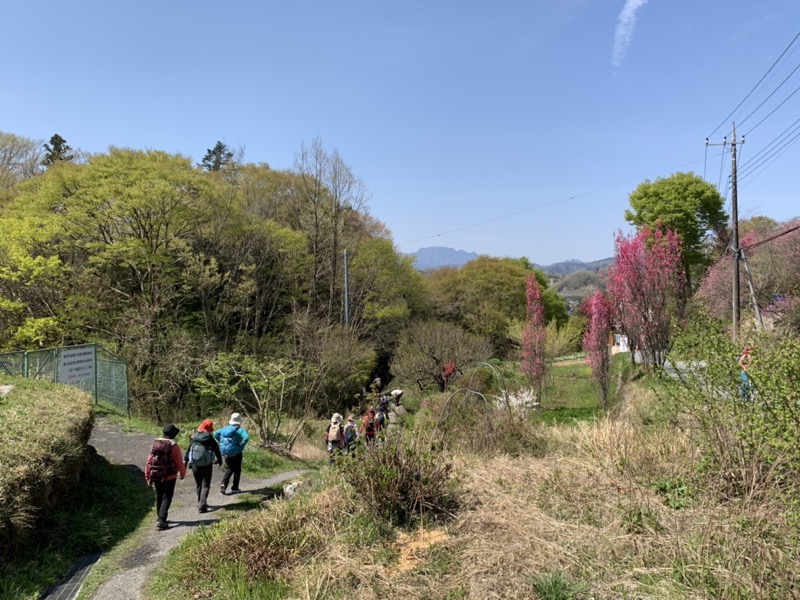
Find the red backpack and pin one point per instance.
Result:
(160, 462)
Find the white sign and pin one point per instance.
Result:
(76, 364)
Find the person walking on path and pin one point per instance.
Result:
(202, 453)
(164, 464)
(232, 439)
(334, 437)
(350, 434)
(369, 427)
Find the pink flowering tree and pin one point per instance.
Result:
(534, 336)
(647, 285)
(597, 309)
(773, 254)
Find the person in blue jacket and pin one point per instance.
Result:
(232, 439)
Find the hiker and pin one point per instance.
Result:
(334, 437)
(369, 426)
(232, 439)
(163, 466)
(745, 387)
(382, 416)
(350, 434)
(396, 395)
(202, 453)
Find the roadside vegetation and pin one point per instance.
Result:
(510, 474)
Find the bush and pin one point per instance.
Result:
(44, 430)
(402, 477)
(749, 438)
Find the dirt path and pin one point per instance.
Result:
(118, 447)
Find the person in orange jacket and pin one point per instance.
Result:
(164, 465)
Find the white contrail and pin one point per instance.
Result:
(624, 32)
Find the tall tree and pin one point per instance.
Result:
(217, 158)
(647, 285)
(533, 362)
(329, 192)
(57, 150)
(683, 203)
(19, 160)
(597, 309)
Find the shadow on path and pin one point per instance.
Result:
(130, 449)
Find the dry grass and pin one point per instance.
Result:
(593, 516)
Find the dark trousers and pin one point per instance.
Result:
(202, 479)
(233, 467)
(164, 492)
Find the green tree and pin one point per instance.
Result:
(487, 294)
(57, 150)
(217, 158)
(684, 203)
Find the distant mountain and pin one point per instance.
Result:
(437, 256)
(570, 266)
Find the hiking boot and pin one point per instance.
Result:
(222, 489)
(235, 490)
(202, 509)
(162, 525)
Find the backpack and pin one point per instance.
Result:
(229, 440)
(369, 427)
(334, 432)
(350, 433)
(200, 454)
(160, 460)
(381, 418)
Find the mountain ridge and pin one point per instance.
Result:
(435, 257)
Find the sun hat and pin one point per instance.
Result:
(207, 425)
(236, 419)
(336, 418)
(170, 431)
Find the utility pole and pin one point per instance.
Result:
(734, 245)
(346, 292)
(734, 236)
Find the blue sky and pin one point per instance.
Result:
(511, 128)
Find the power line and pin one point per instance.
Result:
(774, 141)
(725, 120)
(774, 109)
(546, 204)
(776, 154)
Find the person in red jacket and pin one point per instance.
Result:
(164, 465)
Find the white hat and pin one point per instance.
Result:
(336, 418)
(236, 419)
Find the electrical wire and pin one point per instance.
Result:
(776, 154)
(721, 163)
(551, 203)
(775, 140)
(725, 120)
(776, 108)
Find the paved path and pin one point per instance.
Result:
(118, 447)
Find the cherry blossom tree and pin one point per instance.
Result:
(597, 309)
(534, 336)
(647, 287)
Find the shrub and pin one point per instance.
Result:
(402, 476)
(44, 429)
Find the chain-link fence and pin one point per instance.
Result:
(90, 367)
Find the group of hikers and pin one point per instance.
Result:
(207, 447)
(341, 439)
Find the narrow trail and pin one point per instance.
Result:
(119, 447)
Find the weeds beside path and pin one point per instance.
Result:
(149, 546)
